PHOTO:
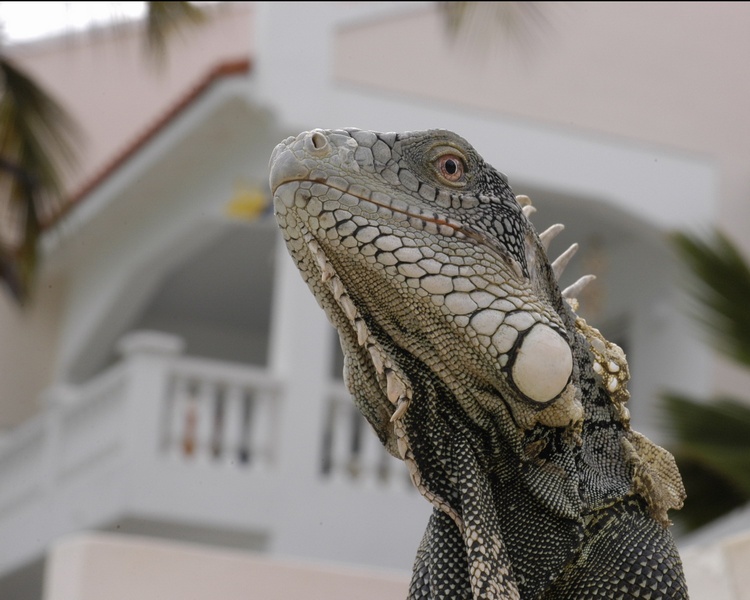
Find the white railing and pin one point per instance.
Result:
(212, 412)
(70, 466)
(221, 413)
(145, 433)
(209, 412)
(352, 451)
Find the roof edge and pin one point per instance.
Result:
(231, 68)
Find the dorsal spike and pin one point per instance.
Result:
(562, 261)
(550, 234)
(528, 210)
(523, 200)
(403, 404)
(573, 291)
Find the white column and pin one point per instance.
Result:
(300, 355)
(301, 66)
(149, 356)
(263, 429)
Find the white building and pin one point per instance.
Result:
(175, 379)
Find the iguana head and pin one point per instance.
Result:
(412, 241)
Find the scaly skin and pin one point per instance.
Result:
(471, 366)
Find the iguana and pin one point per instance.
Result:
(472, 367)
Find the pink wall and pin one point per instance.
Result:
(116, 567)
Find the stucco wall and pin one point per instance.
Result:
(92, 567)
(27, 351)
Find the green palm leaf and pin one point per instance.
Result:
(712, 438)
(712, 449)
(37, 141)
(721, 287)
(166, 18)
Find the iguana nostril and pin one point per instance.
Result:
(317, 140)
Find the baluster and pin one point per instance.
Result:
(262, 428)
(217, 422)
(327, 465)
(341, 441)
(179, 442)
(356, 465)
(387, 468)
(233, 426)
(371, 455)
(249, 445)
(204, 401)
(352, 434)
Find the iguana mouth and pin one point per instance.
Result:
(286, 168)
(430, 222)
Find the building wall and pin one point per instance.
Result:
(96, 566)
(27, 352)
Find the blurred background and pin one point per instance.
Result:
(169, 388)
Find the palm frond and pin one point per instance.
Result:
(721, 285)
(712, 450)
(165, 18)
(710, 495)
(37, 141)
(480, 22)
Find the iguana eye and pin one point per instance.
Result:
(451, 168)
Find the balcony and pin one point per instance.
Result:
(201, 450)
